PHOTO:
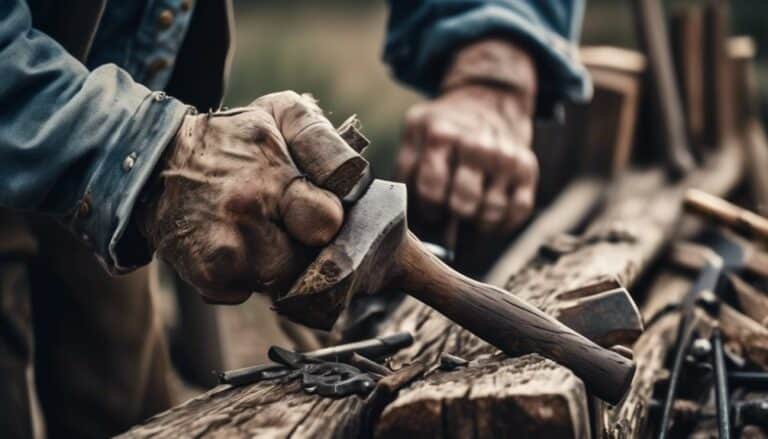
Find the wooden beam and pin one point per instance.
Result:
(687, 34)
(718, 74)
(621, 243)
(667, 103)
(565, 213)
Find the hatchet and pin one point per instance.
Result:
(374, 251)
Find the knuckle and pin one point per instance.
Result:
(287, 95)
(507, 160)
(439, 132)
(219, 265)
(529, 165)
(476, 144)
(415, 115)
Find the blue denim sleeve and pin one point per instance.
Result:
(74, 143)
(421, 35)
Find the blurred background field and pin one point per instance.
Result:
(332, 48)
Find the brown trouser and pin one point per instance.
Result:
(85, 345)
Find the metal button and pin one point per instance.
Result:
(186, 5)
(129, 161)
(84, 209)
(165, 19)
(159, 96)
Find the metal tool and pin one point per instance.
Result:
(374, 251)
(752, 380)
(721, 386)
(726, 213)
(379, 347)
(753, 412)
(707, 281)
(450, 362)
(725, 254)
(325, 378)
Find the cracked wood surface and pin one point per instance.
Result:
(525, 396)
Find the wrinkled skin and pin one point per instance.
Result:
(468, 153)
(235, 215)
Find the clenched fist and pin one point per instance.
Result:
(468, 152)
(235, 214)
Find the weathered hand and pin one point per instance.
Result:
(235, 215)
(469, 150)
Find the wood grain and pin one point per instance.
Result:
(538, 397)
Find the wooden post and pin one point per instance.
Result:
(687, 33)
(607, 123)
(718, 94)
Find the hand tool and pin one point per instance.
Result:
(451, 362)
(619, 321)
(751, 380)
(706, 281)
(752, 412)
(721, 386)
(374, 251)
(724, 253)
(376, 348)
(326, 378)
(726, 213)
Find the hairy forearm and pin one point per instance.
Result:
(495, 62)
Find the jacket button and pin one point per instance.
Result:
(129, 161)
(165, 19)
(84, 209)
(185, 5)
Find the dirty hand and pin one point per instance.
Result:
(468, 152)
(234, 215)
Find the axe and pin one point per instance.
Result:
(375, 251)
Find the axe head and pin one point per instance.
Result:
(358, 259)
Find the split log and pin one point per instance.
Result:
(516, 397)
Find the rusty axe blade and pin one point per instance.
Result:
(373, 230)
(374, 250)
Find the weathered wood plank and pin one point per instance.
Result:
(522, 396)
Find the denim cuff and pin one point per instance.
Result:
(104, 211)
(420, 55)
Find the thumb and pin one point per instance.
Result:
(311, 215)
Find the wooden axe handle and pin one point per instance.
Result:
(726, 213)
(331, 159)
(510, 323)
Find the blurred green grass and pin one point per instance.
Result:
(332, 52)
(333, 49)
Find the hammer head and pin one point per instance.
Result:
(357, 260)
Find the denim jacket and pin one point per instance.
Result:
(79, 138)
